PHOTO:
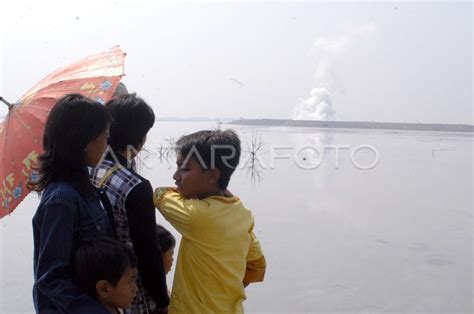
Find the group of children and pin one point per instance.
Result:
(80, 254)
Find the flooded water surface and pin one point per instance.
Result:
(351, 221)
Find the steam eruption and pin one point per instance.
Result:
(318, 106)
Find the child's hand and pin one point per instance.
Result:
(227, 193)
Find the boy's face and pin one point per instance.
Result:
(168, 260)
(121, 295)
(191, 180)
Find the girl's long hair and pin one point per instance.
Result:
(72, 124)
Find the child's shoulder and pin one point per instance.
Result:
(225, 201)
(160, 193)
(60, 191)
(230, 205)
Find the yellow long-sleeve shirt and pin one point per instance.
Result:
(218, 254)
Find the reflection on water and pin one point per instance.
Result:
(338, 239)
(314, 149)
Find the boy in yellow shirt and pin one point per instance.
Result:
(219, 254)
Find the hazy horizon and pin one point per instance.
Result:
(230, 119)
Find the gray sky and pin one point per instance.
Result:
(403, 62)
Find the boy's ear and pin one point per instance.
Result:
(103, 288)
(214, 175)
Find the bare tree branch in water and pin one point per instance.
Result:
(165, 152)
(162, 152)
(143, 158)
(252, 164)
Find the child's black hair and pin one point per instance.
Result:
(72, 124)
(166, 239)
(132, 119)
(216, 149)
(103, 258)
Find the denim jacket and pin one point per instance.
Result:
(64, 219)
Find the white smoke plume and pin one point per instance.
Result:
(318, 106)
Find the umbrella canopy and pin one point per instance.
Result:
(21, 132)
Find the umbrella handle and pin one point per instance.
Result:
(6, 102)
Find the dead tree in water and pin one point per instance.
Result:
(164, 152)
(253, 164)
(143, 159)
